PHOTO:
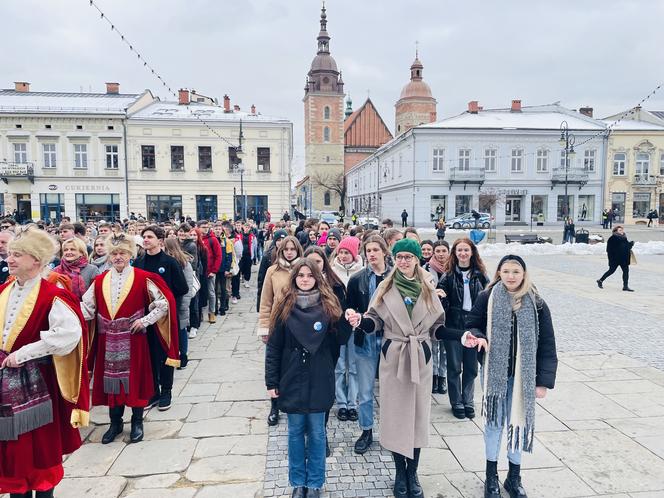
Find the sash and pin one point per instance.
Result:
(117, 358)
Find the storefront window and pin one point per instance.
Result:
(488, 203)
(538, 208)
(641, 204)
(438, 205)
(164, 207)
(256, 207)
(52, 207)
(661, 208)
(565, 210)
(96, 207)
(586, 209)
(618, 206)
(206, 207)
(462, 204)
(2, 203)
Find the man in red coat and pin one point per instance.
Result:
(44, 394)
(213, 264)
(121, 304)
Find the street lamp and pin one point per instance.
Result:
(239, 167)
(567, 141)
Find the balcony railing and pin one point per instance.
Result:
(17, 170)
(466, 176)
(645, 180)
(574, 176)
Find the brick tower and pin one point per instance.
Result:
(323, 128)
(416, 105)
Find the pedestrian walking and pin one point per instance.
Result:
(306, 331)
(619, 252)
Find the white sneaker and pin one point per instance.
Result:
(234, 300)
(192, 332)
(246, 284)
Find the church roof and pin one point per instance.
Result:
(416, 87)
(365, 128)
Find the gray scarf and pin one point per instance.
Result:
(306, 299)
(499, 331)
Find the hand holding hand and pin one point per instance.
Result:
(353, 317)
(264, 338)
(137, 327)
(540, 392)
(273, 393)
(440, 293)
(475, 342)
(10, 362)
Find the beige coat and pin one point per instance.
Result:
(405, 375)
(276, 281)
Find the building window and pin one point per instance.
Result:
(464, 159)
(542, 164)
(438, 204)
(326, 134)
(326, 112)
(50, 157)
(177, 158)
(642, 164)
(586, 209)
(80, 156)
(111, 157)
(147, 154)
(233, 160)
(164, 207)
(205, 158)
(562, 159)
(589, 160)
(206, 207)
(21, 153)
(538, 208)
(618, 205)
(619, 159)
(661, 166)
(490, 160)
(517, 160)
(400, 163)
(439, 160)
(95, 207)
(52, 207)
(327, 198)
(263, 158)
(462, 204)
(641, 204)
(565, 210)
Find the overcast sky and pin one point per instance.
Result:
(606, 54)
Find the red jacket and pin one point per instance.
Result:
(214, 252)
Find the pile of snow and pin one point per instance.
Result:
(500, 249)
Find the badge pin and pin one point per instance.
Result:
(318, 326)
(161, 269)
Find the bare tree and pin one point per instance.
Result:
(491, 199)
(335, 182)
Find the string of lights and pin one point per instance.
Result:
(154, 72)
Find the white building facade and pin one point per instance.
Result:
(508, 162)
(182, 166)
(62, 154)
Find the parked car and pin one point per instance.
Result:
(329, 217)
(466, 220)
(368, 222)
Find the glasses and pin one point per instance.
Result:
(405, 257)
(5, 227)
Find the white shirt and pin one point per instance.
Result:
(158, 307)
(64, 330)
(467, 299)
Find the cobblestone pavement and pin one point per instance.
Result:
(599, 433)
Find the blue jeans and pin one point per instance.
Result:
(493, 433)
(306, 462)
(346, 386)
(183, 341)
(366, 361)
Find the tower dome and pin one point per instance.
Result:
(416, 104)
(416, 87)
(324, 74)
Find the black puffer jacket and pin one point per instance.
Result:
(617, 249)
(452, 284)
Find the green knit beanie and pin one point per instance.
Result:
(407, 245)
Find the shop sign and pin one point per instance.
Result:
(15, 169)
(52, 187)
(88, 188)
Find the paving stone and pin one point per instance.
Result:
(561, 483)
(626, 387)
(240, 490)
(92, 460)
(226, 469)
(250, 409)
(602, 361)
(204, 411)
(242, 391)
(641, 427)
(654, 444)
(595, 455)
(467, 483)
(91, 487)
(223, 426)
(154, 457)
(576, 401)
(236, 445)
(175, 412)
(610, 374)
(456, 428)
(163, 493)
(155, 481)
(435, 461)
(437, 485)
(200, 389)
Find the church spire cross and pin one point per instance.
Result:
(323, 36)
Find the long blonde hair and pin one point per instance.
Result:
(173, 249)
(526, 287)
(420, 275)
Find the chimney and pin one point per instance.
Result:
(227, 103)
(183, 97)
(236, 108)
(586, 111)
(253, 109)
(113, 88)
(22, 86)
(516, 106)
(473, 107)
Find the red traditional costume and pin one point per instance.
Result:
(122, 368)
(45, 399)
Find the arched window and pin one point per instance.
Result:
(326, 112)
(326, 134)
(327, 198)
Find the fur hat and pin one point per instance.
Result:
(408, 245)
(121, 242)
(35, 242)
(351, 244)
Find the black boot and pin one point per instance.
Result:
(136, 434)
(273, 417)
(28, 494)
(116, 427)
(434, 387)
(400, 479)
(442, 385)
(491, 484)
(364, 442)
(414, 487)
(44, 494)
(513, 482)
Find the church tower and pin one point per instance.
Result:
(323, 129)
(416, 105)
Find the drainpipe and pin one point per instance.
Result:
(126, 165)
